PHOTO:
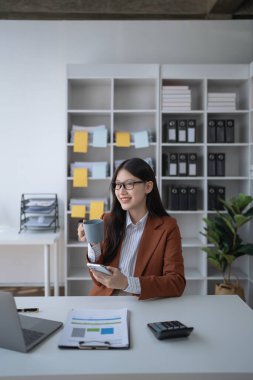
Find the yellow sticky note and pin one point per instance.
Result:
(123, 139)
(80, 177)
(81, 141)
(78, 211)
(96, 209)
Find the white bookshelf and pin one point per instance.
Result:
(129, 98)
(203, 79)
(250, 261)
(123, 98)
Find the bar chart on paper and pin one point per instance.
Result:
(96, 328)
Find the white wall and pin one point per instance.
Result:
(33, 59)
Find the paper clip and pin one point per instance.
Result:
(94, 345)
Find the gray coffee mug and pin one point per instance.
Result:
(94, 230)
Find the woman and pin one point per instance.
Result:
(142, 245)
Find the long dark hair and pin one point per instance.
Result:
(116, 225)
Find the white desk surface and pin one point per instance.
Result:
(11, 236)
(220, 347)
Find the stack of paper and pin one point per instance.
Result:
(81, 137)
(41, 206)
(96, 170)
(140, 139)
(95, 207)
(219, 101)
(41, 221)
(97, 135)
(176, 98)
(87, 201)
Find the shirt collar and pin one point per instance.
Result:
(141, 222)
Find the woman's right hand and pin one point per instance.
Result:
(80, 233)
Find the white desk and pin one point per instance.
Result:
(220, 347)
(45, 239)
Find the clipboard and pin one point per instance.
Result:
(96, 329)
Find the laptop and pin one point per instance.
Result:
(21, 332)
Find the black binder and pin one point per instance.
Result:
(211, 169)
(220, 194)
(220, 164)
(165, 126)
(165, 161)
(211, 131)
(182, 131)
(211, 198)
(183, 198)
(182, 164)
(173, 164)
(191, 131)
(192, 198)
(220, 131)
(173, 198)
(230, 131)
(192, 164)
(172, 131)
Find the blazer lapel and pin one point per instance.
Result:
(150, 238)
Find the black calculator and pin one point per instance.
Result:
(169, 329)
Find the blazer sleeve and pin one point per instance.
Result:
(163, 275)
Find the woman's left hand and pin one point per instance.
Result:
(116, 281)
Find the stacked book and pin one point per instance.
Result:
(176, 98)
(219, 101)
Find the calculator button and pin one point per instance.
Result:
(167, 325)
(159, 326)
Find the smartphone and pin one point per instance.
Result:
(99, 268)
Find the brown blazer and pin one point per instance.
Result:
(159, 263)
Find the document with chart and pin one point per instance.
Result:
(95, 329)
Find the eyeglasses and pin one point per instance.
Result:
(128, 185)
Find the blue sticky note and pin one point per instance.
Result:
(100, 138)
(141, 139)
(99, 170)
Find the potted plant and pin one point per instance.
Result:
(222, 232)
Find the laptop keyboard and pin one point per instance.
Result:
(31, 336)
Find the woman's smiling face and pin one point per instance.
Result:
(133, 200)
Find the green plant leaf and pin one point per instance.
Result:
(241, 219)
(247, 199)
(245, 249)
(249, 213)
(229, 258)
(226, 247)
(242, 201)
(228, 222)
(222, 232)
(228, 207)
(237, 204)
(214, 262)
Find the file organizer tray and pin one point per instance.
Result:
(39, 212)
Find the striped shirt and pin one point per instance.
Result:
(128, 252)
